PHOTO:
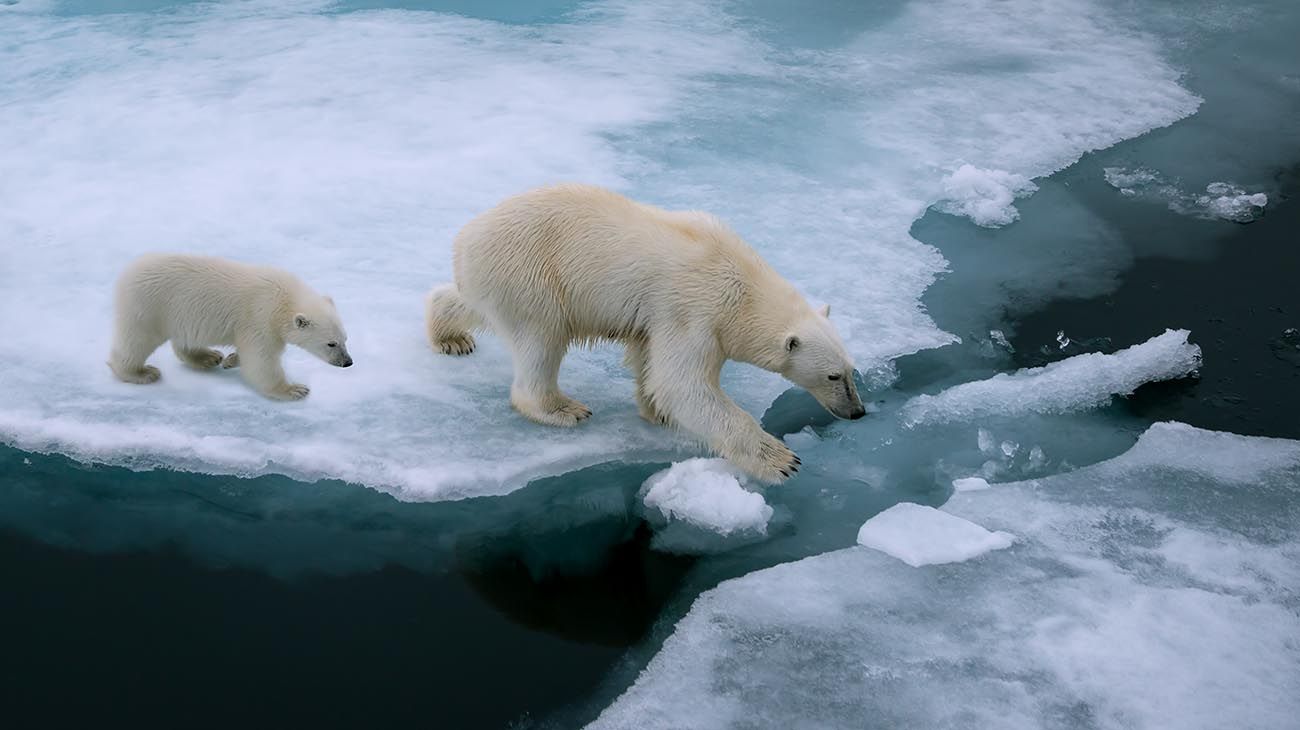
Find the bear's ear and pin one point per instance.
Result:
(329, 299)
(825, 311)
(300, 321)
(791, 342)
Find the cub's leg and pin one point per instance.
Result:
(635, 357)
(682, 380)
(132, 345)
(200, 358)
(260, 366)
(536, 391)
(449, 320)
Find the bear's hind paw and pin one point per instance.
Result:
(456, 344)
(144, 376)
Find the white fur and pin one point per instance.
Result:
(684, 293)
(199, 302)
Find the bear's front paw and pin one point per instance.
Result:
(776, 462)
(292, 391)
(456, 345)
(231, 361)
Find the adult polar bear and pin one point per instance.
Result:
(575, 263)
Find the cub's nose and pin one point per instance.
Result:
(347, 363)
(857, 413)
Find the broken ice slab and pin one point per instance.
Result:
(1074, 384)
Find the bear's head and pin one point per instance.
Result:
(316, 328)
(815, 359)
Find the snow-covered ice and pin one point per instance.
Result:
(1153, 590)
(703, 495)
(1073, 384)
(362, 140)
(920, 535)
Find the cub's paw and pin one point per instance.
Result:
(230, 361)
(144, 376)
(456, 345)
(292, 391)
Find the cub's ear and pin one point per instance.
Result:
(791, 342)
(824, 310)
(329, 299)
(300, 321)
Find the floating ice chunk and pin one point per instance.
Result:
(986, 441)
(1143, 593)
(984, 196)
(920, 535)
(1231, 203)
(1221, 200)
(1076, 383)
(969, 484)
(695, 501)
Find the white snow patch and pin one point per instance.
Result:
(984, 196)
(920, 535)
(1074, 384)
(707, 493)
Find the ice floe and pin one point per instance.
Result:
(1073, 384)
(920, 535)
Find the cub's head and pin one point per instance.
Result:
(317, 330)
(815, 359)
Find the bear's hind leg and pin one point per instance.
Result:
(536, 391)
(130, 350)
(448, 320)
(199, 358)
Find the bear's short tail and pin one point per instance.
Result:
(450, 321)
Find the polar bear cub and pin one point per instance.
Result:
(201, 301)
(684, 293)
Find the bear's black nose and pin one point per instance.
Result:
(346, 363)
(857, 413)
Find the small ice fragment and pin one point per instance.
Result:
(1009, 449)
(707, 493)
(1218, 188)
(802, 439)
(969, 484)
(1073, 384)
(1037, 459)
(1062, 340)
(1000, 339)
(920, 535)
(986, 441)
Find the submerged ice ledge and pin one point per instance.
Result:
(1153, 590)
(1074, 384)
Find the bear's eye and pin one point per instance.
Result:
(836, 376)
(331, 344)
